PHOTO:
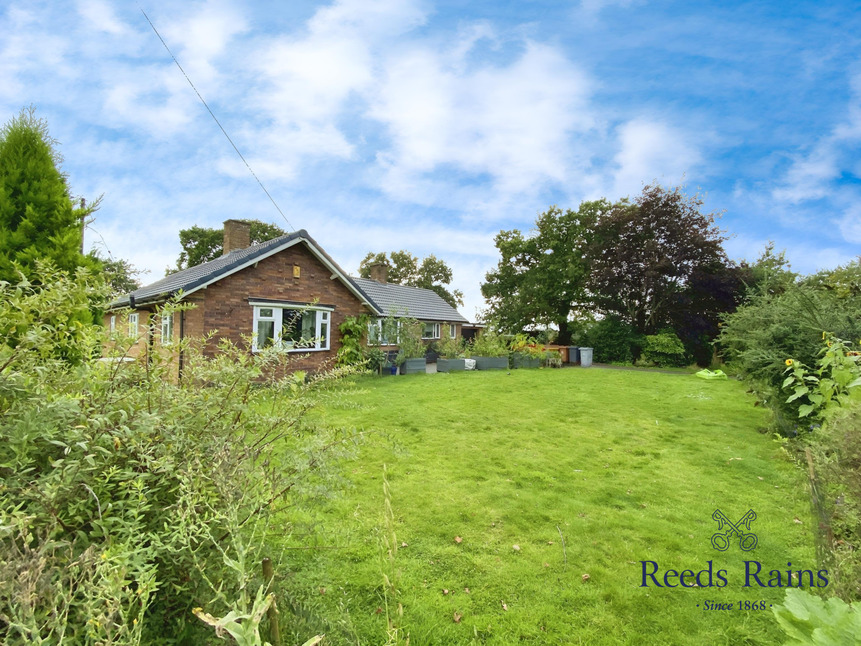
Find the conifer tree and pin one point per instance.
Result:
(38, 219)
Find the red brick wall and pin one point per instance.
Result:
(223, 306)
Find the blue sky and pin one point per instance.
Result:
(430, 126)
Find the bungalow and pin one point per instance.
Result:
(287, 291)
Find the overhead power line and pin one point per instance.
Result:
(212, 114)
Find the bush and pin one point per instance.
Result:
(489, 343)
(129, 499)
(774, 326)
(613, 341)
(665, 349)
(836, 454)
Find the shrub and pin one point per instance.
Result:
(665, 349)
(410, 339)
(451, 347)
(129, 499)
(613, 340)
(775, 325)
(836, 453)
(354, 332)
(489, 344)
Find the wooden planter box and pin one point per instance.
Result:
(450, 365)
(491, 363)
(524, 361)
(414, 366)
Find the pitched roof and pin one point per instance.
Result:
(400, 300)
(194, 278)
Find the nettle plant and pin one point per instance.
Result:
(828, 385)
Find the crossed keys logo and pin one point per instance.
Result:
(746, 541)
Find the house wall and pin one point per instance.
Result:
(224, 305)
(122, 329)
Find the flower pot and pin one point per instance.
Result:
(491, 363)
(414, 366)
(450, 365)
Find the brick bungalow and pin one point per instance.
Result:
(287, 291)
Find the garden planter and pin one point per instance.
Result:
(414, 366)
(491, 363)
(524, 361)
(450, 365)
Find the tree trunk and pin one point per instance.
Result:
(564, 333)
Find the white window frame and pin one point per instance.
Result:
(435, 330)
(452, 330)
(167, 329)
(322, 326)
(113, 327)
(375, 333)
(134, 322)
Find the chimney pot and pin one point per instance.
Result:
(237, 235)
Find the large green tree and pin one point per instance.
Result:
(405, 269)
(648, 254)
(541, 277)
(39, 220)
(202, 244)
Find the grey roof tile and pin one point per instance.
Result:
(194, 277)
(400, 300)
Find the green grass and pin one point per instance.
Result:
(627, 465)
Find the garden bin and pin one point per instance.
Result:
(585, 357)
(573, 354)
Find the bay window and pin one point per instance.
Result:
(292, 327)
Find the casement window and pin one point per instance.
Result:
(379, 332)
(133, 325)
(431, 331)
(166, 329)
(291, 327)
(452, 330)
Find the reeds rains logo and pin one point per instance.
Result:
(721, 538)
(728, 534)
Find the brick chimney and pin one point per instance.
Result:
(380, 272)
(237, 235)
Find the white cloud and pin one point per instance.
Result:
(201, 35)
(814, 175)
(100, 14)
(651, 150)
(509, 124)
(850, 224)
(308, 82)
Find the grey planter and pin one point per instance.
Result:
(450, 365)
(524, 361)
(414, 366)
(491, 363)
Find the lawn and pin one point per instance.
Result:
(524, 505)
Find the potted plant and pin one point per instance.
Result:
(526, 352)
(451, 357)
(490, 351)
(411, 357)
